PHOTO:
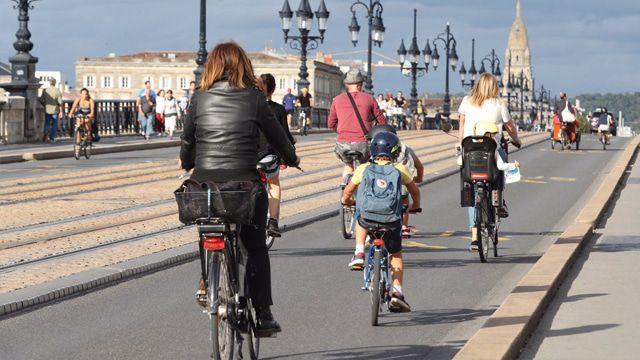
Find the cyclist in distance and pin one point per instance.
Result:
(289, 103)
(385, 148)
(226, 116)
(483, 104)
(270, 159)
(84, 105)
(343, 118)
(305, 100)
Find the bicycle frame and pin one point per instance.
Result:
(377, 245)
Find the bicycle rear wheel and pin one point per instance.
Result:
(77, 141)
(347, 219)
(220, 301)
(375, 288)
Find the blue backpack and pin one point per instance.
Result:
(379, 194)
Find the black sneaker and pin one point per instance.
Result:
(473, 246)
(398, 303)
(502, 211)
(266, 325)
(273, 229)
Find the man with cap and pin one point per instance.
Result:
(346, 108)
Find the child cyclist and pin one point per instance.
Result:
(379, 202)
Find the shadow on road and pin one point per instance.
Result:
(376, 352)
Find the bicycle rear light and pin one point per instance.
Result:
(213, 243)
(479, 176)
(378, 242)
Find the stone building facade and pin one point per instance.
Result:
(121, 77)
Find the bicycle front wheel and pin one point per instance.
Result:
(77, 141)
(375, 288)
(87, 150)
(220, 304)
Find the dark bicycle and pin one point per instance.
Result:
(228, 301)
(81, 139)
(377, 278)
(482, 189)
(347, 212)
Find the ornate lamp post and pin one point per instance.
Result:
(414, 71)
(376, 33)
(23, 69)
(304, 42)
(520, 87)
(473, 73)
(202, 51)
(449, 42)
(494, 62)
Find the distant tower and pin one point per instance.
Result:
(518, 53)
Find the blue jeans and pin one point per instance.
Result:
(51, 126)
(146, 124)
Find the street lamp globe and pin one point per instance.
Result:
(402, 53)
(427, 53)
(453, 58)
(414, 52)
(354, 29)
(285, 16)
(482, 69)
(377, 30)
(473, 72)
(305, 16)
(323, 16)
(463, 73)
(435, 57)
(498, 74)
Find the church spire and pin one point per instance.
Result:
(518, 13)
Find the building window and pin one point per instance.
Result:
(165, 82)
(183, 83)
(89, 81)
(125, 82)
(106, 82)
(283, 84)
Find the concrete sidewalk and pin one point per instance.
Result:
(108, 144)
(595, 313)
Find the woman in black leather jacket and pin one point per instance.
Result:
(220, 143)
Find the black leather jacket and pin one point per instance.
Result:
(222, 132)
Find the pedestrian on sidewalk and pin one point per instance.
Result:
(172, 113)
(351, 116)
(51, 99)
(159, 123)
(289, 102)
(146, 113)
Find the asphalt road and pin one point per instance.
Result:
(319, 303)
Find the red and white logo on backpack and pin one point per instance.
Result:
(381, 183)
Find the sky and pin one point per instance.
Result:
(577, 46)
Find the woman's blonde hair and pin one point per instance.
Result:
(486, 88)
(231, 60)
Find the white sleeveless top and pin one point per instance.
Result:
(493, 110)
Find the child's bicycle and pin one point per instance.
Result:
(81, 139)
(376, 273)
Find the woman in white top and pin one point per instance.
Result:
(172, 113)
(160, 112)
(483, 104)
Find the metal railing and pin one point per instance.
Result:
(113, 117)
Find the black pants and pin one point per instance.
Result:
(258, 266)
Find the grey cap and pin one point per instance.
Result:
(354, 76)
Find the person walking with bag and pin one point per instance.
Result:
(160, 107)
(352, 115)
(51, 98)
(226, 116)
